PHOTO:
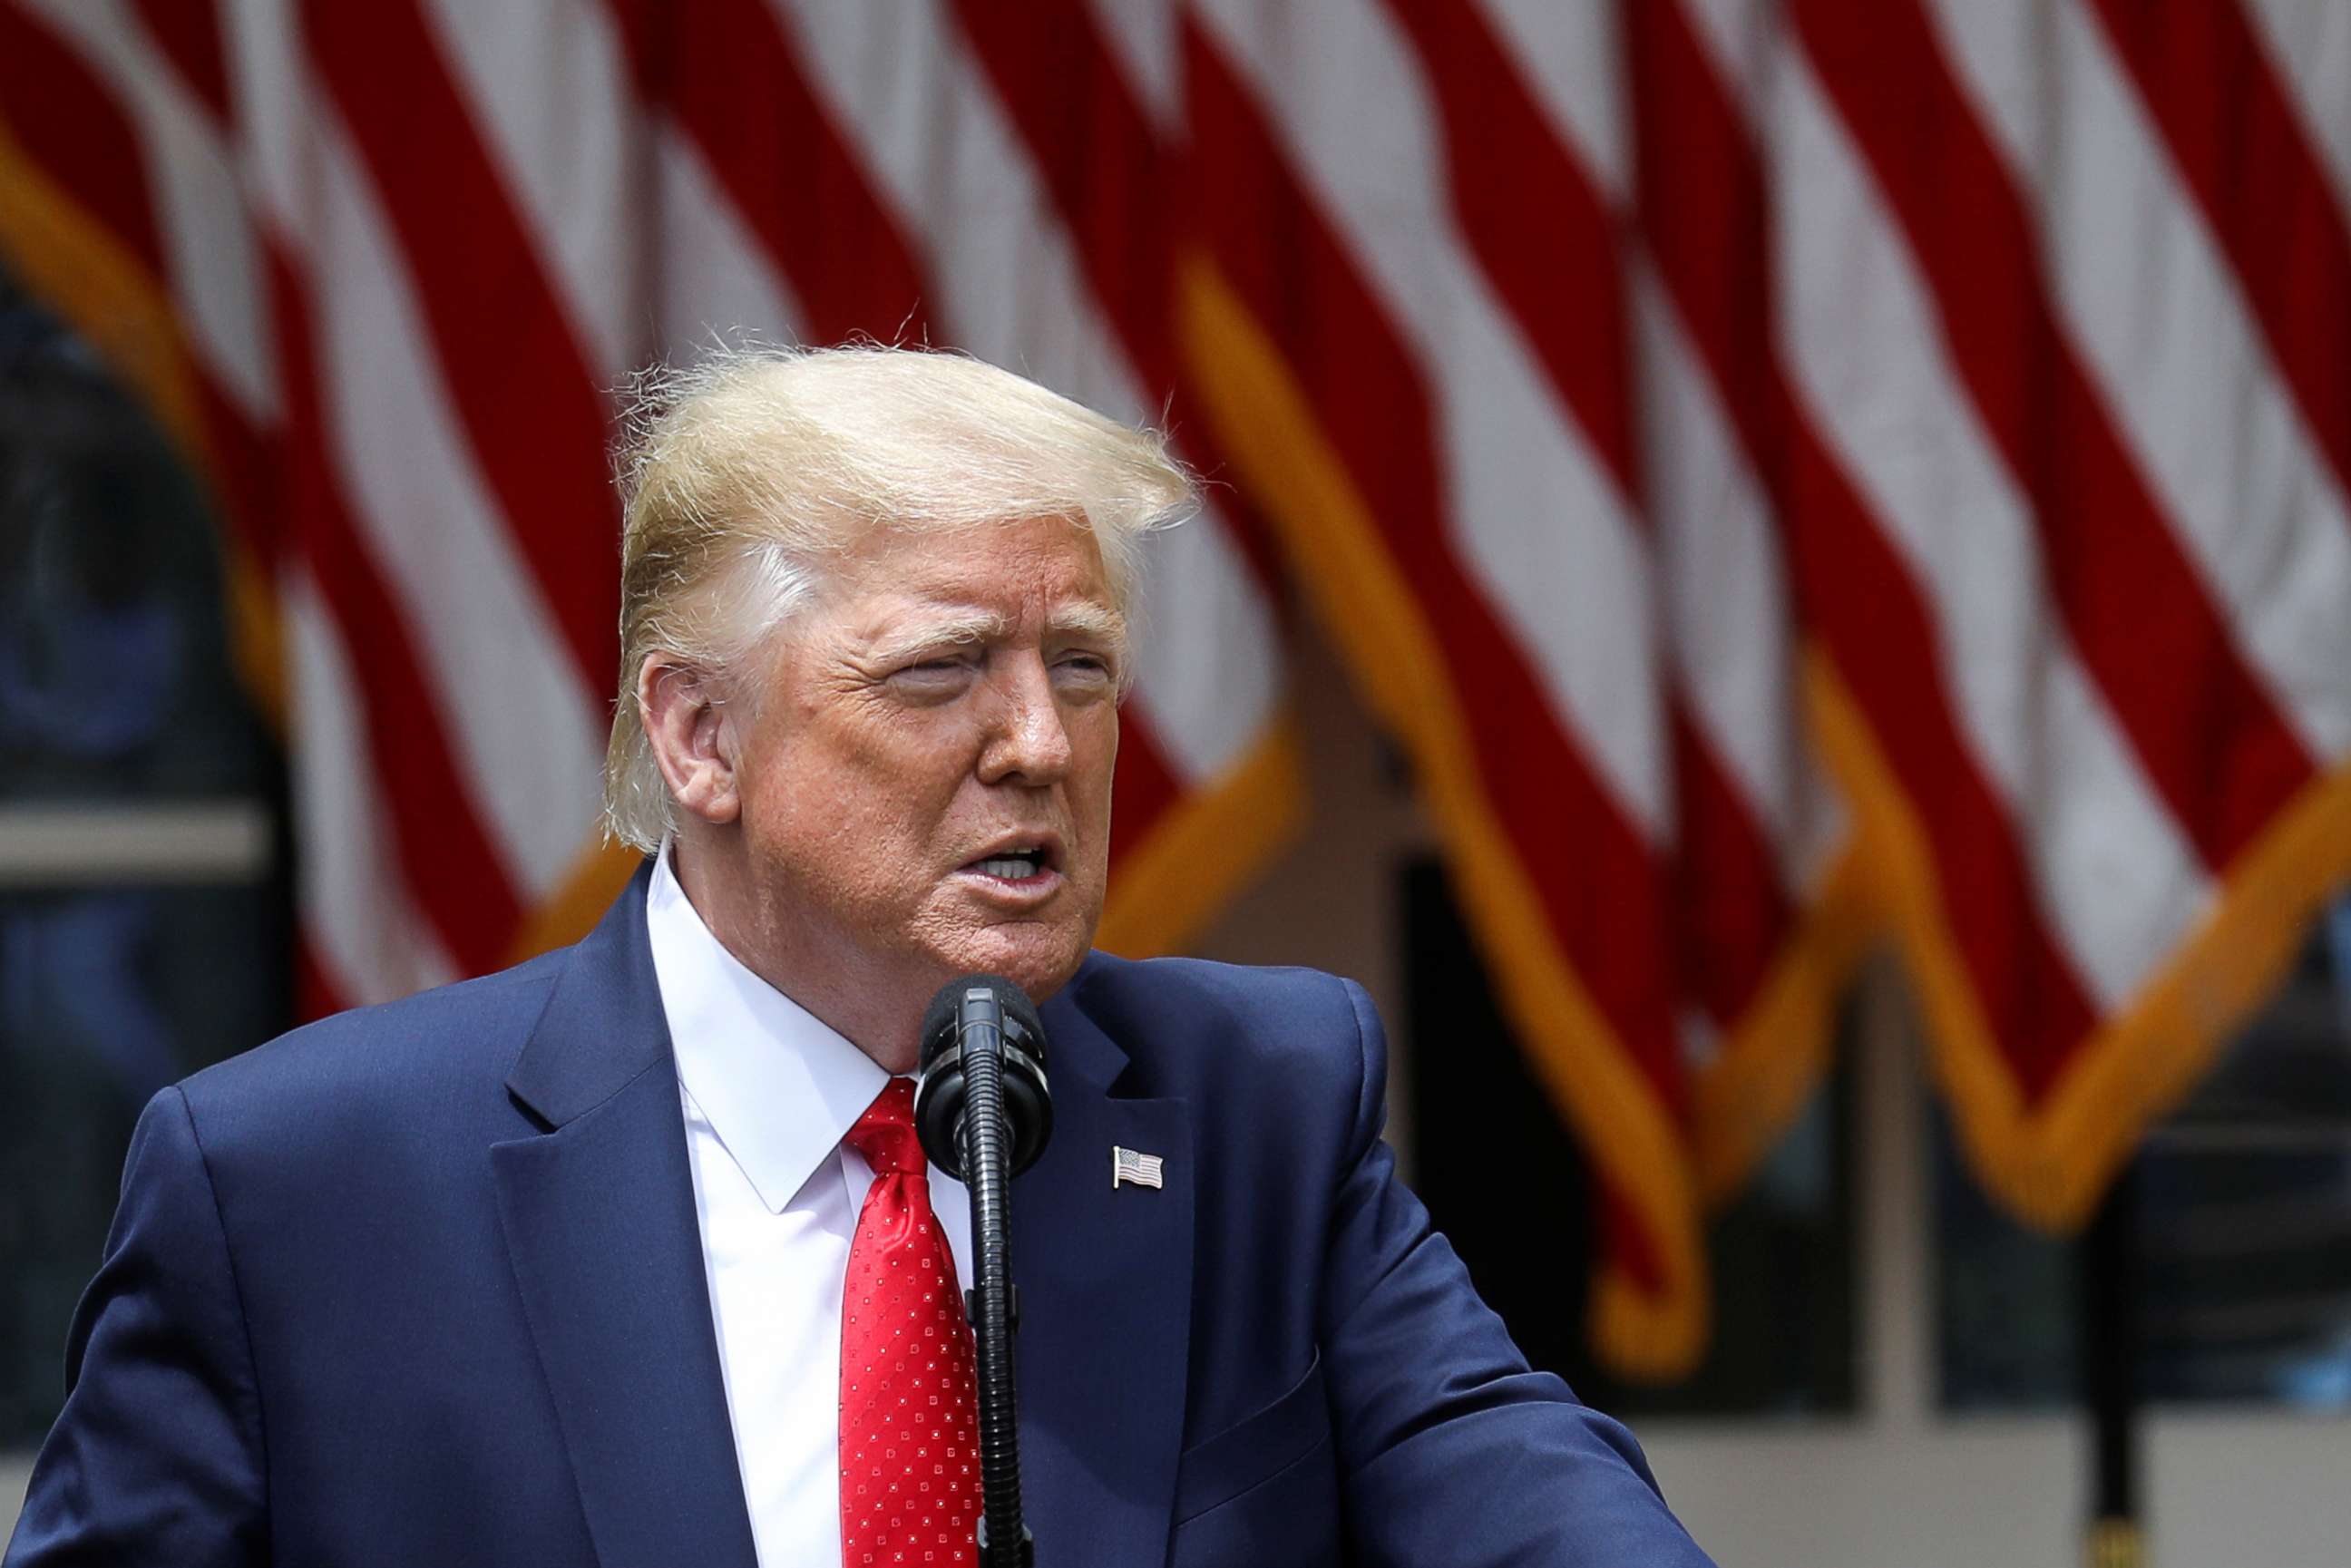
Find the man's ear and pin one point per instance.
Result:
(692, 733)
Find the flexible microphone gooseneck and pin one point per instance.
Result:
(984, 1112)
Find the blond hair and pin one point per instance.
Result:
(742, 474)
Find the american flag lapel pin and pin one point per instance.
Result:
(1134, 1167)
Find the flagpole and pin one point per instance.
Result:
(2108, 1320)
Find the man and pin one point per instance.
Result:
(618, 1256)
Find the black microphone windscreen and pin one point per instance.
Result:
(943, 1018)
(1028, 1100)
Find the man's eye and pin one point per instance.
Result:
(1084, 667)
(931, 674)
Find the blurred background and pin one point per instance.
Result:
(1776, 580)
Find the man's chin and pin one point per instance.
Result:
(1038, 960)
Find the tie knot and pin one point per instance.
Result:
(885, 1134)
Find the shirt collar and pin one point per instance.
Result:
(779, 1088)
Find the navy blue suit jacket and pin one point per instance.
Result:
(422, 1285)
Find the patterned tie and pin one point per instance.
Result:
(909, 1415)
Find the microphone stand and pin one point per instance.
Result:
(994, 1302)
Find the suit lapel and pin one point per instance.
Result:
(600, 1226)
(1105, 1282)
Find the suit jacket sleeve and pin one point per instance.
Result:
(157, 1458)
(1451, 1450)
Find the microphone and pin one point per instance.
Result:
(980, 1012)
(983, 1113)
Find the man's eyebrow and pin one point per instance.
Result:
(1086, 621)
(947, 631)
(1099, 622)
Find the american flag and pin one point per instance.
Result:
(1787, 471)
(1133, 1169)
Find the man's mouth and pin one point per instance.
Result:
(1018, 865)
(1027, 862)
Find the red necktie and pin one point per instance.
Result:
(909, 1416)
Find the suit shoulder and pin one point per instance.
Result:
(429, 1044)
(1197, 1011)
(1207, 982)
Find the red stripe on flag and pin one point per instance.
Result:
(1704, 211)
(731, 76)
(1543, 235)
(1541, 232)
(1731, 914)
(510, 365)
(442, 851)
(1601, 890)
(1113, 182)
(1862, 601)
(243, 463)
(1597, 875)
(1702, 201)
(1097, 156)
(67, 121)
(2240, 149)
(2210, 740)
(188, 33)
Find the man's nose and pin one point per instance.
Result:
(1028, 738)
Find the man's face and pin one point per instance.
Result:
(925, 786)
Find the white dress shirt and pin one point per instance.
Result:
(769, 1094)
